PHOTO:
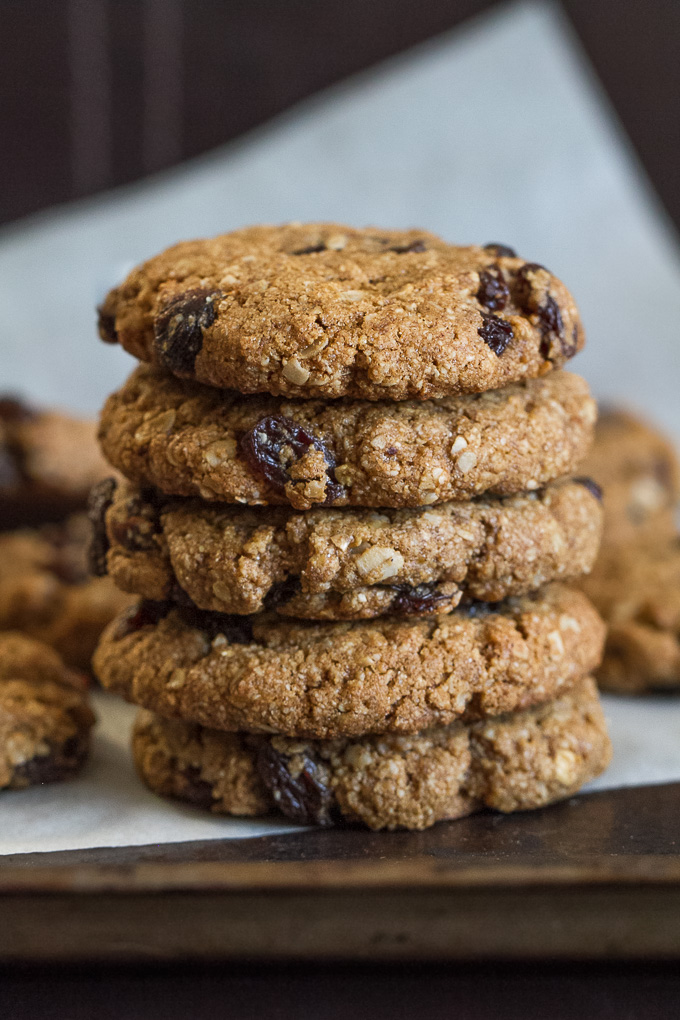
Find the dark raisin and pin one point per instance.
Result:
(238, 630)
(281, 593)
(100, 499)
(58, 764)
(421, 598)
(194, 789)
(305, 797)
(591, 486)
(551, 325)
(69, 562)
(106, 326)
(523, 290)
(403, 249)
(178, 328)
(136, 532)
(502, 251)
(391, 451)
(179, 597)
(11, 474)
(12, 409)
(313, 249)
(496, 333)
(493, 291)
(145, 614)
(275, 443)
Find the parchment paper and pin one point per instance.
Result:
(496, 132)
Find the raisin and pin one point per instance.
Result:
(275, 443)
(178, 328)
(281, 593)
(523, 289)
(551, 325)
(53, 767)
(421, 598)
(502, 251)
(496, 333)
(238, 630)
(100, 499)
(141, 523)
(145, 614)
(313, 249)
(493, 291)
(478, 610)
(69, 562)
(305, 797)
(106, 326)
(404, 249)
(11, 474)
(194, 789)
(12, 409)
(591, 486)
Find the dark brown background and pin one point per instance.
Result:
(96, 93)
(100, 92)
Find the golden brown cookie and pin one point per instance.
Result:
(508, 763)
(323, 310)
(345, 563)
(46, 589)
(48, 463)
(638, 471)
(324, 680)
(45, 719)
(636, 588)
(190, 440)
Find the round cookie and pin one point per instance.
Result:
(325, 680)
(45, 720)
(345, 563)
(190, 440)
(509, 763)
(638, 471)
(323, 310)
(46, 590)
(636, 588)
(48, 463)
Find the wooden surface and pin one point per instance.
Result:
(597, 877)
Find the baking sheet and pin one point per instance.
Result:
(495, 132)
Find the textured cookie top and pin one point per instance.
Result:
(509, 763)
(323, 310)
(186, 439)
(48, 463)
(638, 471)
(345, 563)
(44, 716)
(263, 674)
(46, 589)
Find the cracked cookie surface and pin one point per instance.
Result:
(45, 719)
(345, 563)
(323, 310)
(190, 440)
(47, 592)
(322, 680)
(509, 763)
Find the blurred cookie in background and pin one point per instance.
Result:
(49, 461)
(635, 584)
(638, 471)
(45, 719)
(47, 591)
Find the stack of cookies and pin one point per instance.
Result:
(349, 510)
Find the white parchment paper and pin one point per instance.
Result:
(496, 132)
